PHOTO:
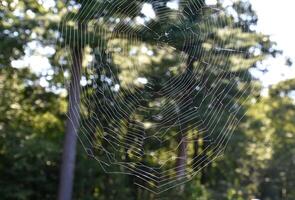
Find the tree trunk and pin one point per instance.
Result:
(182, 150)
(205, 165)
(72, 126)
(196, 152)
(181, 157)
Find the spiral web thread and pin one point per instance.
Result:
(128, 127)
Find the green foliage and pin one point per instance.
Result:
(31, 122)
(259, 160)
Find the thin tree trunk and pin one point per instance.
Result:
(196, 152)
(72, 126)
(181, 158)
(182, 150)
(205, 165)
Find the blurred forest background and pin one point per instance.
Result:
(259, 162)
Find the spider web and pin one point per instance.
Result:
(144, 124)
